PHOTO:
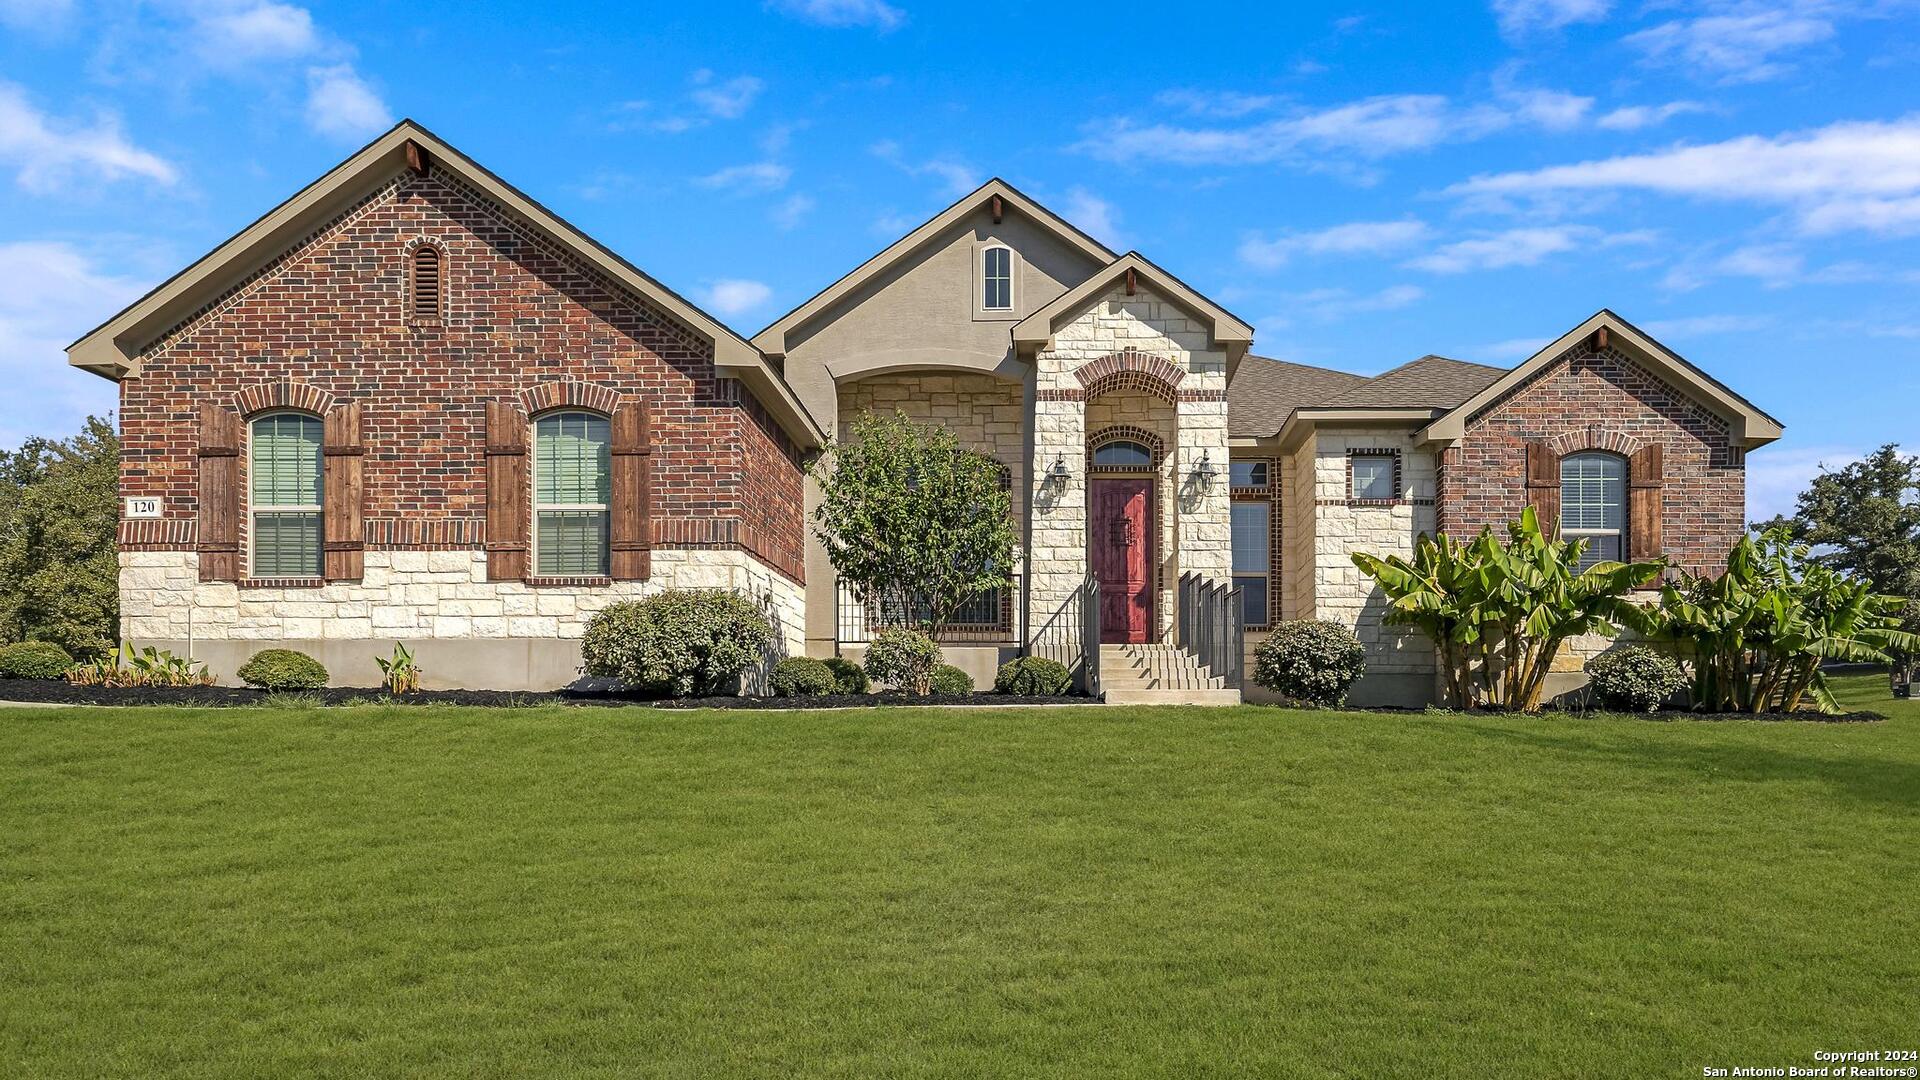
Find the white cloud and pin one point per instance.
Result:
(1094, 216)
(758, 176)
(1554, 110)
(1777, 475)
(1513, 349)
(1520, 18)
(50, 294)
(340, 104)
(236, 34)
(1226, 103)
(46, 154)
(792, 211)
(1329, 304)
(1743, 44)
(725, 100)
(1636, 117)
(1370, 128)
(875, 13)
(735, 296)
(1775, 264)
(1353, 238)
(956, 178)
(1514, 247)
(1851, 175)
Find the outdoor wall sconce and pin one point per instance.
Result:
(1058, 474)
(1203, 471)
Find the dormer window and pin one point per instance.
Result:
(996, 279)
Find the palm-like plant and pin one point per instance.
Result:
(1500, 612)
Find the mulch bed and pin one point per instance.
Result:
(54, 691)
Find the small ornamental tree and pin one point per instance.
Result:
(916, 525)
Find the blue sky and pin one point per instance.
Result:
(1365, 183)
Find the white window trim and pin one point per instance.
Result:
(1265, 576)
(605, 509)
(254, 510)
(977, 278)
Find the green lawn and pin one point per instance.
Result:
(1087, 892)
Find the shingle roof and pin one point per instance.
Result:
(1265, 392)
(1431, 382)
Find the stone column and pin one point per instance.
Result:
(1057, 547)
(1205, 524)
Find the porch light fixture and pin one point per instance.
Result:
(1203, 471)
(1057, 473)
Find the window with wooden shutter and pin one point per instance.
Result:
(630, 531)
(343, 488)
(219, 494)
(426, 284)
(506, 492)
(1543, 486)
(285, 480)
(572, 493)
(1593, 505)
(1646, 493)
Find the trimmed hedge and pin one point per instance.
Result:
(801, 676)
(848, 677)
(678, 643)
(283, 669)
(1033, 676)
(903, 659)
(1310, 661)
(947, 679)
(34, 660)
(1634, 678)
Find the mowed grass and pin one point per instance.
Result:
(1086, 892)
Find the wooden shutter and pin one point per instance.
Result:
(507, 493)
(219, 493)
(1645, 494)
(343, 490)
(1543, 486)
(629, 540)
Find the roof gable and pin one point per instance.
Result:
(1750, 427)
(1226, 328)
(773, 339)
(112, 349)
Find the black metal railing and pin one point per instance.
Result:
(987, 617)
(1071, 636)
(1210, 626)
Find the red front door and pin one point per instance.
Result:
(1122, 542)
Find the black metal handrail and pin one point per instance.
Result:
(1071, 636)
(1210, 626)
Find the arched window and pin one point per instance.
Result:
(1593, 504)
(1123, 454)
(284, 476)
(996, 279)
(425, 283)
(572, 485)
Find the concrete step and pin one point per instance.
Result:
(1154, 667)
(1122, 696)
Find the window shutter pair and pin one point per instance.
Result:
(342, 484)
(1645, 494)
(509, 493)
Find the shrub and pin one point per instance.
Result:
(283, 669)
(34, 660)
(399, 671)
(848, 677)
(947, 679)
(1310, 660)
(1634, 678)
(682, 642)
(1033, 676)
(146, 667)
(801, 676)
(904, 660)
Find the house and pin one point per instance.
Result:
(411, 403)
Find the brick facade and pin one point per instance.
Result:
(518, 312)
(1590, 398)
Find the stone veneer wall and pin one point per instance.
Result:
(1115, 323)
(1297, 533)
(984, 413)
(418, 596)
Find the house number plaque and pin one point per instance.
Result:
(142, 506)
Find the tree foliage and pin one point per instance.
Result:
(59, 568)
(1865, 519)
(1500, 611)
(918, 526)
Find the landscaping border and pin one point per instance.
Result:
(56, 692)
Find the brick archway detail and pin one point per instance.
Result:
(282, 394)
(569, 394)
(1594, 437)
(1156, 446)
(1130, 369)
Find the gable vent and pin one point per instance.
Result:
(426, 282)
